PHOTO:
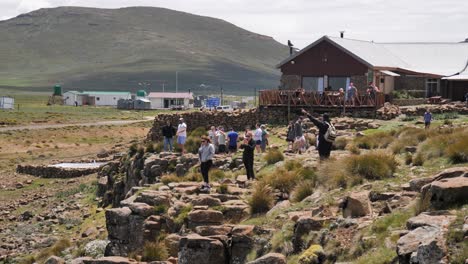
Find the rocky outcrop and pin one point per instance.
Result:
(425, 243)
(110, 260)
(303, 226)
(195, 249)
(443, 193)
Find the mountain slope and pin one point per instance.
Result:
(116, 49)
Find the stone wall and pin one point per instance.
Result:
(238, 120)
(53, 172)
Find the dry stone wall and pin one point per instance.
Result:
(239, 120)
(53, 172)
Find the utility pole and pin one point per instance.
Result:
(177, 81)
(221, 95)
(163, 84)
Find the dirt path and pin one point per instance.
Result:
(99, 123)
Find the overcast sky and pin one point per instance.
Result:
(303, 21)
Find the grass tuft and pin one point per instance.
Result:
(273, 155)
(262, 199)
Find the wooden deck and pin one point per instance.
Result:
(325, 100)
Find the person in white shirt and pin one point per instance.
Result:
(181, 134)
(257, 137)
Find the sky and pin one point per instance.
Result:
(304, 21)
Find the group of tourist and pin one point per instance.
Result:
(217, 141)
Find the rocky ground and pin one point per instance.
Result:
(147, 207)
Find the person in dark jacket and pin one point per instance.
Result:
(248, 145)
(168, 132)
(324, 147)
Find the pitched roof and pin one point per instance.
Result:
(442, 59)
(170, 95)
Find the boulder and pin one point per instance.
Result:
(424, 244)
(206, 200)
(172, 243)
(451, 173)
(222, 230)
(154, 198)
(125, 231)
(142, 209)
(446, 192)
(303, 226)
(54, 260)
(270, 258)
(357, 204)
(415, 185)
(430, 219)
(241, 242)
(195, 249)
(205, 217)
(110, 260)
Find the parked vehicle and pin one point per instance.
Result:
(226, 108)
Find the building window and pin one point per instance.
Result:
(432, 87)
(312, 84)
(335, 83)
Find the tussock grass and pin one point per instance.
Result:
(282, 179)
(302, 190)
(352, 170)
(449, 143)
(262, 198)
(376, 140)
(54, 250)
(340, 143)
(273, 155)
(155, 251)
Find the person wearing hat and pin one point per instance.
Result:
(324, 147)
(205, 153)
(181, 134)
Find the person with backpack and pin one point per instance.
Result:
(327, 134)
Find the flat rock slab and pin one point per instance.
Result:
(423, 219)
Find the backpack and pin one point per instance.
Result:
(331, 134)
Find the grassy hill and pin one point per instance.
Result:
(118, 49)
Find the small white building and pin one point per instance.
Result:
(106, 98)
(70, 97)
(7, 102)
(168, 100)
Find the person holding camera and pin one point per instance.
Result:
(248, 145)
(325, 139)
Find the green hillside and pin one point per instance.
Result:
(131, 48)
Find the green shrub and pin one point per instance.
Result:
(312, 255)
(457, 152)
(375, 140)
(183, 215)
(292, 164)
(160, 209)
(306, 173)
(166, 179)
(133, 149)
(149, 147)
(302, 190)
(273, 155)
(223, 189)
(198, 132)
(155, 251)
(372, 165)
(192, 144)
(282, 179)
(262, 199)
(216, 174)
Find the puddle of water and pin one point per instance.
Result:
(89, 165)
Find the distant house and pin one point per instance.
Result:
(7, 102)
(107, 98)
(333, 63)
(168, 100)
(97, 98)
(70, 97)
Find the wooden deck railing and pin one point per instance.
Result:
(325, 99)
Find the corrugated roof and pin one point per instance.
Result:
(443, 59)
(171, 95)
(106, 92)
